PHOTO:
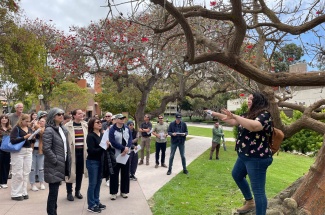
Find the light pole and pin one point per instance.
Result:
(40, 97)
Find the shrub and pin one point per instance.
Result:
(303, 141)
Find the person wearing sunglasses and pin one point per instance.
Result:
(78, 130)
(107, 121)
(120, 138)
(145, 129)
(161, 132)
(57, 156)
(94, 165)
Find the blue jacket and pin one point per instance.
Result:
(177, 128)
(115, 137)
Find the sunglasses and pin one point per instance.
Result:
(160, 118)
(98, 122)
(107, 116)
(60, 114)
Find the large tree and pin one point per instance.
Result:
(256, 29)
(125, 52)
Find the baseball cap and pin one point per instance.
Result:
(120, 116)
(178, 115)
(41, 114)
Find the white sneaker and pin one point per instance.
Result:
(107, 183)
(4, 186)
(42, 186)
(124, 195)
(113, 196)
(34, 188)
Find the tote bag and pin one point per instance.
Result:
(8, 147)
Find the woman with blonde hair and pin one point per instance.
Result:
(38, 157)
(21, 161)
(5, 129)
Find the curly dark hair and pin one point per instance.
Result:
(259, 104)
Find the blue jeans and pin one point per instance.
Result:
(173, 147)
(95, 179)
(255, 168)
(37, 164)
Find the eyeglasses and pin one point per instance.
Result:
(60, 114)
(98, 122)
(107, 116)
(160, 118)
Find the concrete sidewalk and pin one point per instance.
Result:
(150, 180)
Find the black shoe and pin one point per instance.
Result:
(70, 197)
(133, 178)
(18, 198)
(169, 172)
(78, 195)
(95, 210)
(26, 197)
(185, 171)
(101, 206)
(217, 158)
(210, 158)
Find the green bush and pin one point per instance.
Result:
(304, 141)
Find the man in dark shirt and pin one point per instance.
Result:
(178, 132)
(145, 129)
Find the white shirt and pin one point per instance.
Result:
(64, 141)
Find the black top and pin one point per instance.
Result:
(255, 143)
(17, 135)
(146, 125)
(93, 148)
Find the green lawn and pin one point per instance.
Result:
(210, 189)
(205, 132)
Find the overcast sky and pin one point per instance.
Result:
(65, 13)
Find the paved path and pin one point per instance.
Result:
(150, 180)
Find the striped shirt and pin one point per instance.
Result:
(79, 135)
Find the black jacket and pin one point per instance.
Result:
(55, 165)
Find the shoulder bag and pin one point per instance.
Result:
(7, 146)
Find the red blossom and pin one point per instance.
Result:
(213, 3)
(242, 94)
(144, 39)
(290, 59)
(318, 12)
(249, 46)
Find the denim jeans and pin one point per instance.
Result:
(4, 166)
(256, 169)
(162, 147)
(52, 198)
(173, 147)
(21, 163)
(37, 164)
(95, 180)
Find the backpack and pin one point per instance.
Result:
(275, 140)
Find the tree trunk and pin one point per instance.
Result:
(310, 195)
(139, 114)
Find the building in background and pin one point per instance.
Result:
(298, 95)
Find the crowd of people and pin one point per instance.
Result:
(64, 147)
